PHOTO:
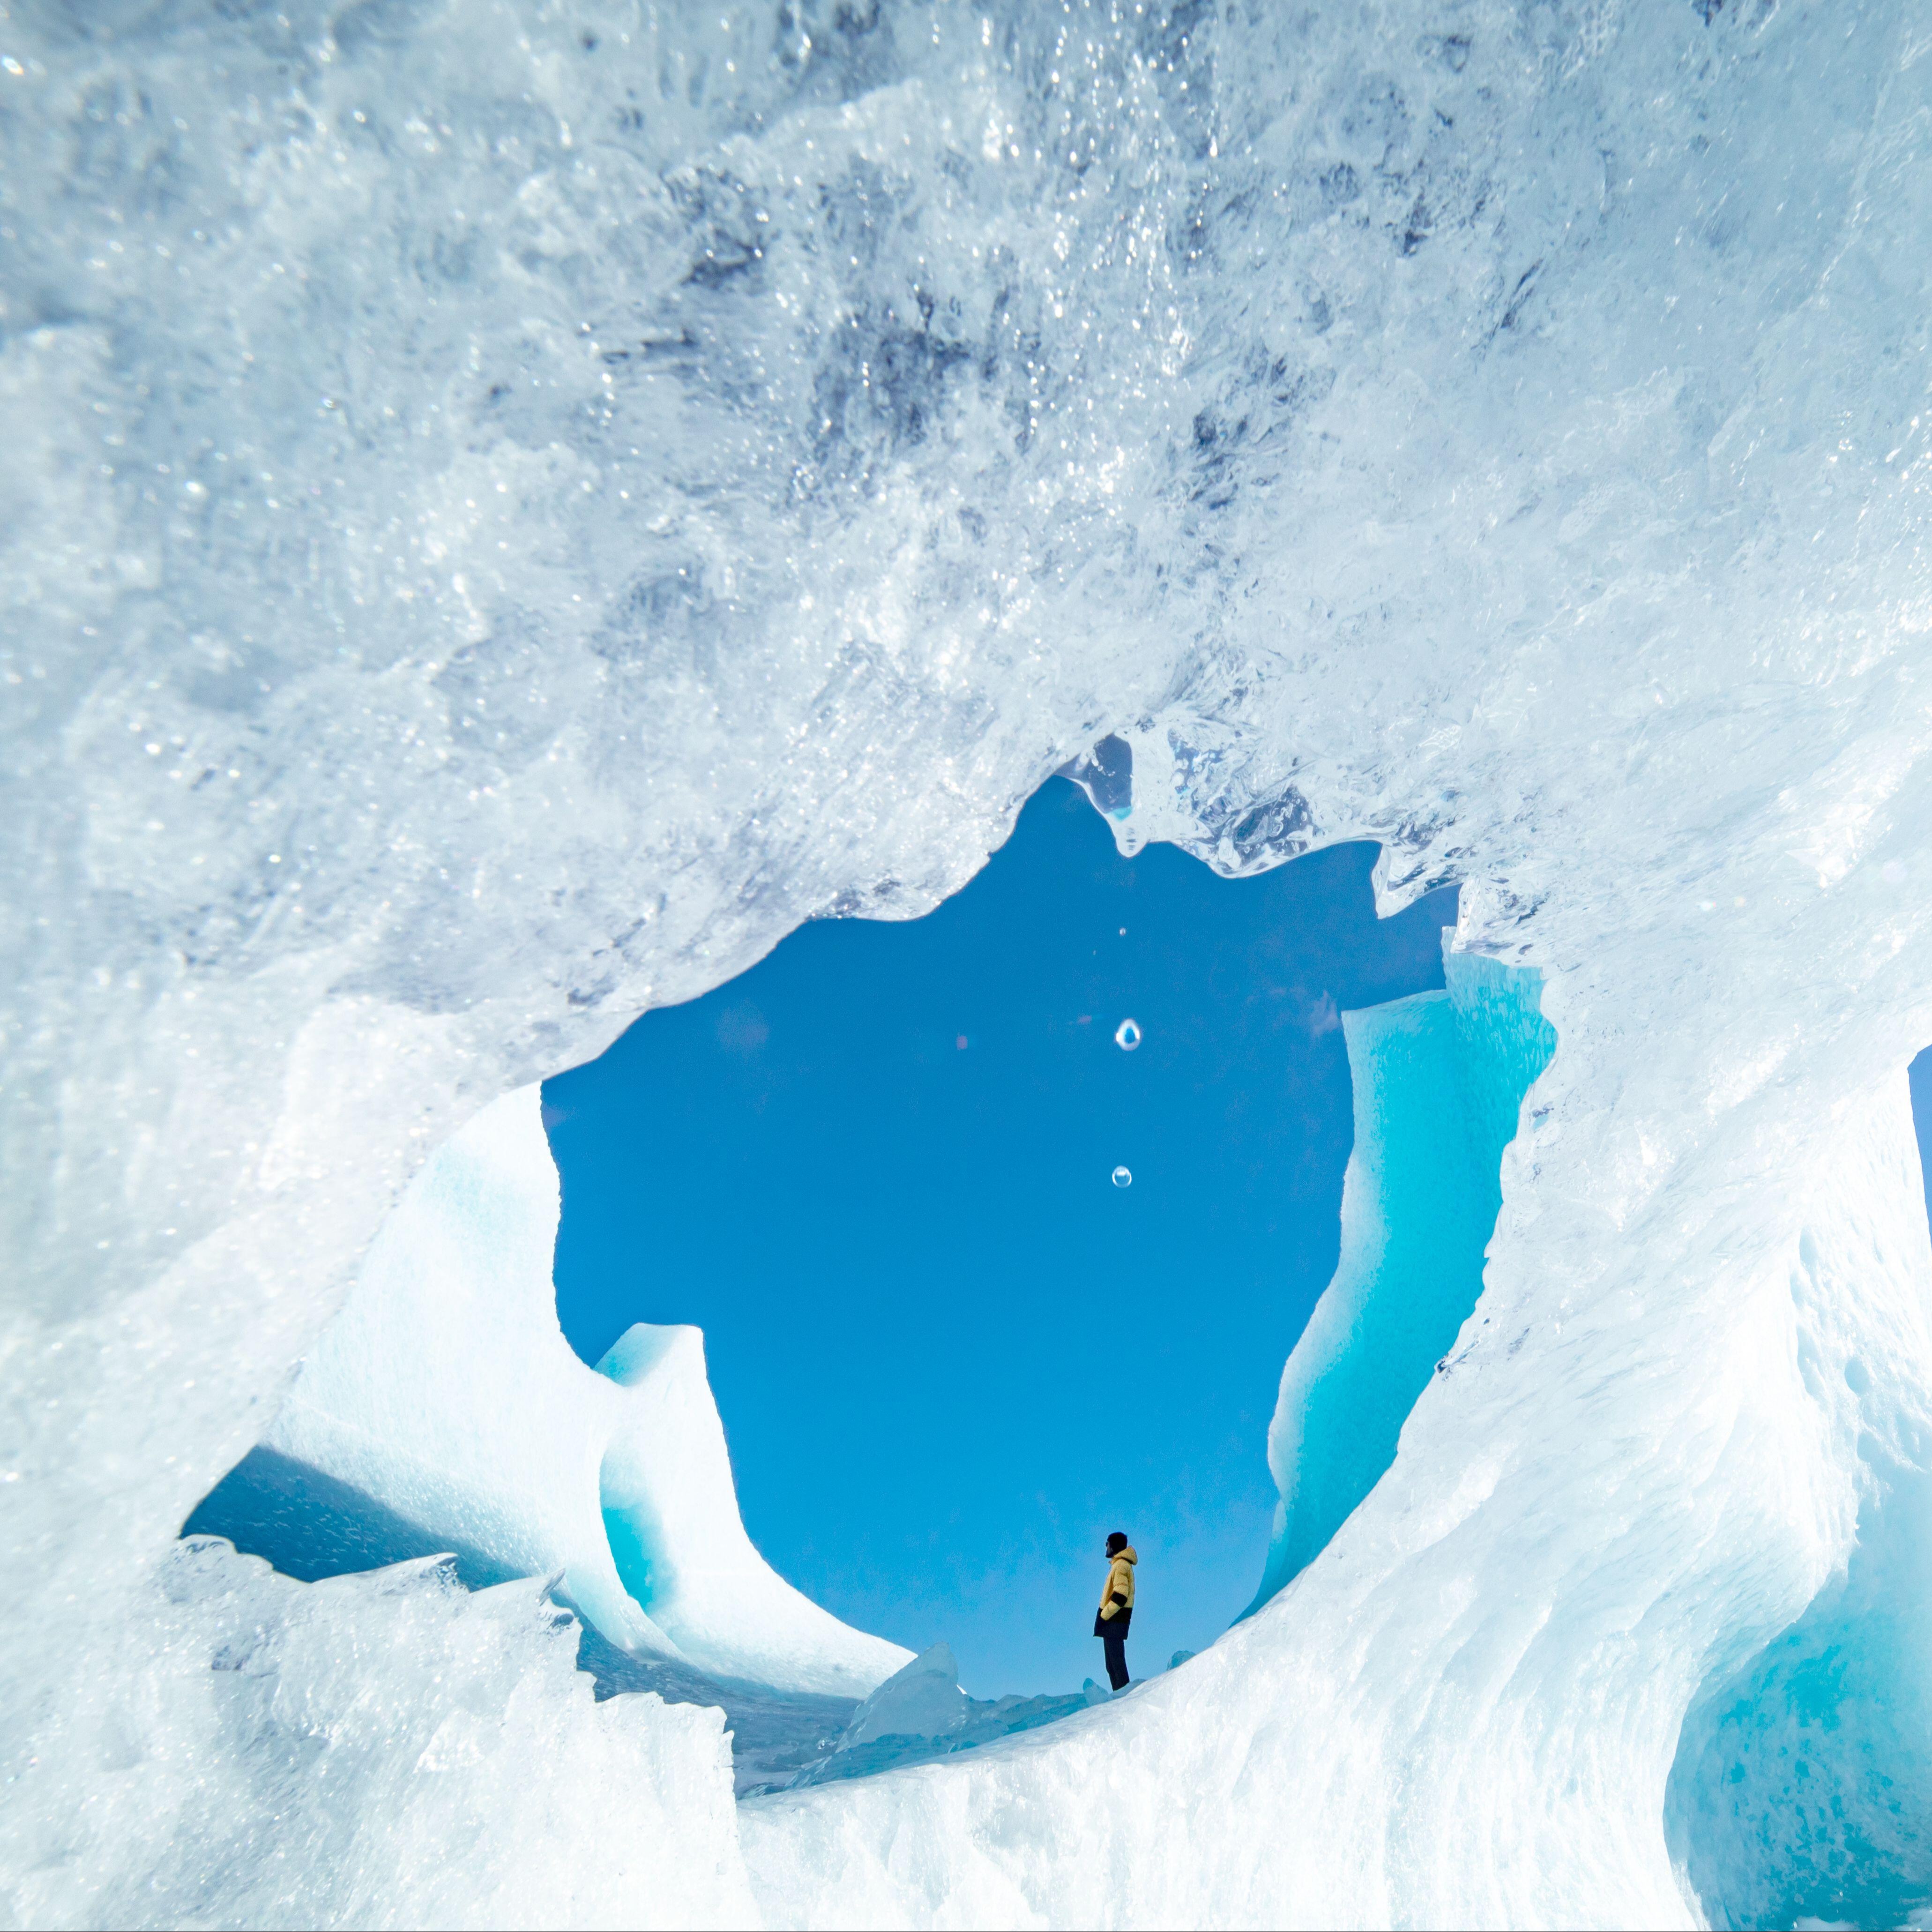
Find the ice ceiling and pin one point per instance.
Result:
(508, 509)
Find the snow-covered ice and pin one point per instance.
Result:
(387, 1750)
(508, 509)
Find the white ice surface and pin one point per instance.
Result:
(446, 1390)
(381, 1750)
(508, 509)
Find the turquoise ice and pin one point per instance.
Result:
(1439, 1081)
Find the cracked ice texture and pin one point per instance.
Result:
(509, 509)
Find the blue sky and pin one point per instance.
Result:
(950, 1354)
(1922, 1117)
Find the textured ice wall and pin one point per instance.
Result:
(387, 1750)
(446, 1392)
(1803, 1785)
(1475, 1695)
(1439, 1080)
(508, 509)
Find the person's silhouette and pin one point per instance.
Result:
(1116, 1612)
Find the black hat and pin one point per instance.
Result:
(1117, 1543)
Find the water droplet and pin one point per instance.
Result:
(1127, 1035)
(1122, 1178)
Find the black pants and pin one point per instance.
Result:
(1112, 1632)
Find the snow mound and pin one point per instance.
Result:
(446, 1393)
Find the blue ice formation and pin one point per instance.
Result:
(1802, 1787)
(1439, 1079)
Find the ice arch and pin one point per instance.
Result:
(445, 1393)
(1439, 1081)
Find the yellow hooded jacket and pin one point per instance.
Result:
(1121, 1577)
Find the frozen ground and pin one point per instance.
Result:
(507, 510)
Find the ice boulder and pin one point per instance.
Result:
(921, 1714)
(923, 1700)
(446, 1393)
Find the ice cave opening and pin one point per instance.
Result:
(1121, 1133)
(510, 509)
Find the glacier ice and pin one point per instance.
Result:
(1439, 1079)
(507, 513)
(446, 1393)
(381, 1750)
(922, 1699)
(1804, 1777)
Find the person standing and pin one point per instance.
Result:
(1117, 1607)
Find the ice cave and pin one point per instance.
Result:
(509, 509)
